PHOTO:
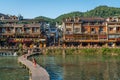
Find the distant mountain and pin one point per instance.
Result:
(44, 19)
(100, 11)
(72, 14)
(103, 11)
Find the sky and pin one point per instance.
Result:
(51, 8)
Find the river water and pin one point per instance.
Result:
(69, 67)
(11, 70)
(76, 67)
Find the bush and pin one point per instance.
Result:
(69, 51)
(85, 51)
(54, 52)
(106, 51)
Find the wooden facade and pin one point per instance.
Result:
(14, 32)
(91, 31)
(76, 31)
(114, 30)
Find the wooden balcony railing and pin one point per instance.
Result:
(111, 32)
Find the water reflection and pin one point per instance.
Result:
(53, 68)
(81, 68)
(10, 70)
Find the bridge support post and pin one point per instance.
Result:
(44, 51)
(44, 45)
(63, 52)
(106, 44)
(114, 44)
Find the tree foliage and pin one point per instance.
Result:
(72, 14)
(100, 11)
(44, 19)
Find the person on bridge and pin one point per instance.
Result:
(29, 51)
(34, 62)
(24, 56)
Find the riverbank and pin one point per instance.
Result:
(84, 51)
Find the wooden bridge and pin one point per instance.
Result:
(36, 72)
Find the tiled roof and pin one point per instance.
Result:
(83, 19)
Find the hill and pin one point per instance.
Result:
(72, 14)
(44, 19)
(103, 11)
(100, 11)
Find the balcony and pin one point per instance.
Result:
(18, 25)
(118, 39)
(118, 32)
(7, 25)
(112, 32)
(103, 39)
(114, 25)
(102, 32)
(93, 32)
(10, 32)
(35, 33)
(87, 24)
(77, 32)
(86, 32)
(69, 32)
(7, 33)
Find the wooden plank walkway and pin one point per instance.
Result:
(37, 73)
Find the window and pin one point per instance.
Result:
(27, 30)
(118, 28)
(85, 30)
(3, 30)
(18, 30)
(101, 29)
(35, 30)
(68, 30)
(10, 29)
(110, 29)
(53, 29)
(76, 30)
(93, 29)
(114, 28)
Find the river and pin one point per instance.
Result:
(69, 67)
(77, 67)
(11, 70)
